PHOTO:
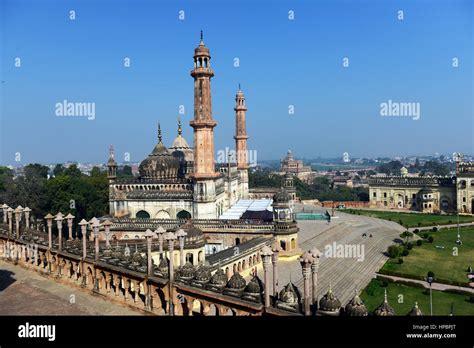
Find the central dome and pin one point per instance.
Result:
(160, 163)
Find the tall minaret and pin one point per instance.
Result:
(241, 142)
(203, 122)
(112, 176)
(206, 194)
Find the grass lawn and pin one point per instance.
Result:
(442, 262)
(411, 219)
(373, 296)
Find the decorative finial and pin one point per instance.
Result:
(159, 134)
(385, 296)
(180, 130)
(201, 36)
(111, 151)
(239, 87)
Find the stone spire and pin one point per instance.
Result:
(111, 165)
(180, 130)
(240, 130)
(160, 137)
(203, 123)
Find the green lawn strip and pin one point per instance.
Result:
(373, 296)
(446, 266)
(412, 219)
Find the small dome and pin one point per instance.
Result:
(219, 278)
(236, 282)
(415, 311)
(403, 171)
(290, 294)
(163, 266)
(160, 164)
(192, 231)
(329, 302)
(255, 286)
(384, 309)
(187, 272)
(203, 274)
(281, 196)
(356, 308)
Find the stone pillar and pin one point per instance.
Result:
(59, 221)
(160, 231)
(49, 221)
(266, 256)
(10, 220)
(18, 213)
(170, 237)
(149, 234)
(27, 212)
(306, 260)
(181, 235)
(83, 225)
(5, 213)
(314, 271)
(95, 227)
(69, 218)
(107, 225)
(276, 250)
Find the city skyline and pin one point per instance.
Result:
(130, 101)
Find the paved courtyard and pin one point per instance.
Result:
(24, 292)
(345, 274)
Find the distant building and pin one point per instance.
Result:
(429, 194)
(296, 167)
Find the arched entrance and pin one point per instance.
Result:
(162, 214)
(142, 214)
(183, 215)
(400, 200)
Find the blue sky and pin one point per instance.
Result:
(282, 62)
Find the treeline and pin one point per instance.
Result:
(320, 188)
(429, 167)
(68, 190)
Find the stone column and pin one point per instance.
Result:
(59, 221)
(69, 218)
(276, 250)
(170, 237)
(5, 213)
(266, 256)
(83, 225)
(306, 260)
(181, 235)
(314, 271)
(107, 225)
(49, 221)
(149, 235)
(160, 231)
(10, 220)
(18, 212)
(95, 228)
(27, 212)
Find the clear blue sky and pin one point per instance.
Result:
(282, 62)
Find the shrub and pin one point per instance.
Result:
(434, 229)
(384, 284)
(419, 224)
(430, 274)
(394, 251)
(405, 252)
(471, 298)
(419, 242)
(425, 235)
(416, 230)
(400, 261)
(430, 239)
(450, 221)
(409, 246)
